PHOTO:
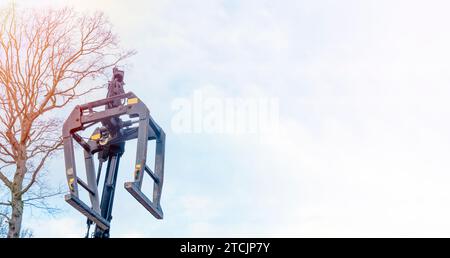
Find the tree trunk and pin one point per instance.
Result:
(15, 221)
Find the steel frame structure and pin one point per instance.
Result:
(108, 142)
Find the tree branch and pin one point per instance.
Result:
(5, 180)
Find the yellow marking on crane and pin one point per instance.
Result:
(95, 137)
(71, 180)
(132, 101)
(137, 169)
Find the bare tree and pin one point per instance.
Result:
(45, 56)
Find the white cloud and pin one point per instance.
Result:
(57, 227)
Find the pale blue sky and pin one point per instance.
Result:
(363, 146)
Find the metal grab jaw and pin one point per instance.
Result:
(108, 142)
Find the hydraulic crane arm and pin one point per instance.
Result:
(123, 117)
